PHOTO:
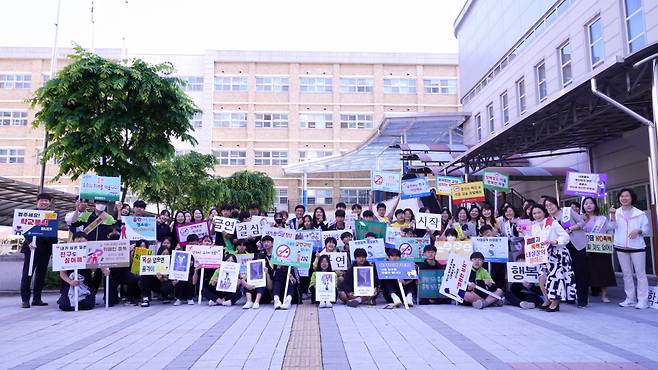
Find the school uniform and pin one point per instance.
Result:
(517, 293)
(390, 286)
(42, 253)
(266, 295)
(162, 231)
(184, 290)
(348, 280)
(279, 285)
(89, 282)
(311, 285)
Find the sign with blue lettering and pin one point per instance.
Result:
(396, 270)
(31, 222)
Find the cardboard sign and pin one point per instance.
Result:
(455, 277)
(338, 260)
(653, 297)
(374, 247)
(362, 228)
(412, 248)
(138, 228)
(108, 253)
(229, 273)
(225, 225)
(325, 286)
(396, 270)
(496, 181)
(429, 283)
(263, 221)
(469, 192)
(428, 221)
(333, 234)
(445, 248)
(494, 249)
(294, 253)
(243, 260)
(385, 181)
(276, 232)
(392, 234)
(32, 222)
(586, 184)
(519, 272)
(536, 251)
(256, 273)
(244, 230)
(151, 265)
(415, 188)
(364, 281)
(137, 258)
(312, 236)
(443, 184)
(180, 265)
(69, 256)
(208, 256)
(199, 228)
(105, 188)
(599, 243)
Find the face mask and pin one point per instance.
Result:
(451, 238)
(100, 207)
(278, 221)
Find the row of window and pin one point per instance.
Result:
(265, 157)
(280, 120)
(12, 155)
(325, 196)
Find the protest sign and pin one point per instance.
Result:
(243, 260)
(199, 228)
(151, 265)
(653, 297)
(455, 277)
(244, 230)
(364, 281)
(429, 283)
(374, 247)
(586, 184)
(108, 253)
(496, 181)
(325, 286)
(69, 256)
(256, 273)
(338, 260)
(494, 249)
(599, 243)
(295, 253)
(469, 192)
(207, 256)
(443, 184)
(445, 248)
(428, 221)
(392, 233)
(138, 228)
(415, 188)
(225, 225)
(396, 270)
(385, 181)
(362, 228)
(524, 226)
(229, 273)
(312, 236)
(137, 258)
(263, 221)
(412, 248)
(536, 250)
(180, 265)
(276, 232)
(31, 222)
(519, 272)
(105, 188)
(334, 234)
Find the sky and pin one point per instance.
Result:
(192, 26)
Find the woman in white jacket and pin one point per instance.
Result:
(631, 225)
(557, 279)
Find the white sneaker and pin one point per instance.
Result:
(190, 302)
(627, 303)
(255, 306)
(248, 305)
(478, 304)
(327, 304)
(227, 303)
(396, 300)
(177, 302)
(642, 304)
(286, 303)
(410, 300)
(211, 303)
(527, 305)
(277, 303)
(322, 304)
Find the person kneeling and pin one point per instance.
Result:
(480, 278)
(87, 282)
(347, 295)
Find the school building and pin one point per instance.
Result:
(562, 85)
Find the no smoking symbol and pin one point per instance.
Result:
(379, 180)
(405, 249)
(283, 251)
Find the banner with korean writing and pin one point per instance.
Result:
(429, 283)
(443, 184)
(415, 188)
(494, 249)
(428, 221)
(108, 253)
(653, 297)
(412, 248)
(263, 221)
(374, 248)
(225, 225)
(536, 250)
(31, 222)
(199, 228)
(519, 272)
(392, 233)
(180, 265)
(207, 256)
(312, 236)
(385, 181)
(277, 232)
(496, 181)
(104, 188)
(387, 270)
(362, 228)
(586, 184)
(290, 252)
(455, 277)
(137, 258)
(333, 234)
(244, 230)
(599, 243)
(469, 192)
(462, 248)
(338, 260)
(69, 256)
(137, 228)
(151, 265)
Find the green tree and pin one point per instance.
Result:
(247, 187)
(112, 119)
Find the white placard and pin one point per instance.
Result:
(69, 256)
(338, 260)
(374, 247)
(225, 225)
(325, 286)
(364, 281)
(180, 265)
(244, 230)
(428, 221)
(227, 281)
(519, 272)
(256, 273)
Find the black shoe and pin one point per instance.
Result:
(543, 307)
(556, 309)
(39, 303)
(25, 305)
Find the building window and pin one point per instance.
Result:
(13, 118)
(352, 196)
(316, 120)
(271, 84)
(281, 196)
(356, 85)
(229, 120)
(634, 25)
(440, 86)
(565, 64)
(478, 127)
(595, 39)
(191, 83)
(197, 120)
(15, 81)
(317, 196)
(540, 75)
(356, 120)
(271, 158)
(520, 93)
(12, 155)
(504, 108)
(307, 155)
(315, 84)
(230, 83)
(399, 86)
(230, 157)
(490, 117)
(271, 120)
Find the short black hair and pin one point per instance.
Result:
(477, 255)
(267, 238)
(393, 252)
(574, 203)
(485, 228)
(429, 247)
(550, 199)
(254, 206)
(368, 213)
(192, 238)
(356, 206)
(451, 232)
(397, 212)
(407, 230)
(543, 209)
(46, 196)
(360, 252)
(381, 205)
(339, 213)
(629, 191)
(300, 206)
(139, 203)
(341, 205)
(330, 239)
(345, 235)
(371, 234)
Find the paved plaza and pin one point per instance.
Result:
(424, 337)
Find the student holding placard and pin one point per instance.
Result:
(87, 283)
(481, 291)
(601, 274)
(294, 294)
(184, 289)
(525, 294)
(360, 265)
(391, 288)
(224, 298)
(257, 295)
(323, 265)
(156, 283)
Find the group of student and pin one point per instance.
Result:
(567, 276)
